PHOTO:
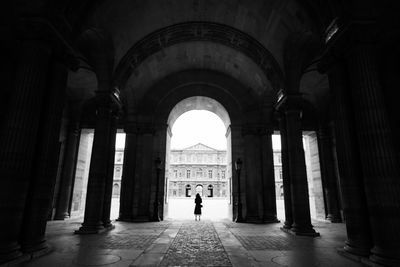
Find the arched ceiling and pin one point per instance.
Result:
(269, 22)
(199, 55)
(253, 56)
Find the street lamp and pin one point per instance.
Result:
(156, 214)
(238, 167)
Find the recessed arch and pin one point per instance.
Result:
(198, 31)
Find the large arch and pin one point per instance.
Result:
(209, 104)
(249, 133)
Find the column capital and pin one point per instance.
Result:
(108, 99)
(290, 102)
(341, 35)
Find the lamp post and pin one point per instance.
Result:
(156, 216)
(238, 167)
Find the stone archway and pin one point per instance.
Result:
(222, 207)
(250, 130)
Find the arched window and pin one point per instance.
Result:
(210, 190)
(188, 190)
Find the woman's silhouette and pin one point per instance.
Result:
(197, 208)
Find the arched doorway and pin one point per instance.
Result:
(193, 169)
(247, 132)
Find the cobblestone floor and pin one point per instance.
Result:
(192, 243)
(196, 244)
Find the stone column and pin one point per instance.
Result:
(44, 171)
(68, 172)
(251, 173)
(297, 169)
(287, 192)
(268, 178)
(18, 141)
(379, 161)
(144, 174)
(351, 179)
(128, 177)
(328, 174)
(98, 171)
(110, 173)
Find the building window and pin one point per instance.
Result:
(210, 190)
(210, 174)
(174, 193)
(280, 174)
(188, 191)
(187, 173)
(118, 157)
(115, 190)
(223, 174)
(279, 158)
(117, 172)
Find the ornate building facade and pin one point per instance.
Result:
(198, 169)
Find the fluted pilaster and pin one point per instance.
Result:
(329, 178)
(351, 177)
(68, 172)
(44, 171)
(18, 141)
(378, 156)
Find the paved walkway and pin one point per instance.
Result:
(193, 243)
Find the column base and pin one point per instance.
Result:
(109, 226)
(270, 219)
(287, 225)
(381, 256)
(292, 231)
(10, 252)
(358, 251)
(334, 218)
(91, 229)
(33, 246)
(61, 217)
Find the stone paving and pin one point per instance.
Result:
(193, 243)
(196, 244)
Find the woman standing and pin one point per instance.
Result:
(197, 208)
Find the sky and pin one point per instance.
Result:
(198, 126)
(201, 126)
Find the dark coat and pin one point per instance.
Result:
(197, 208)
